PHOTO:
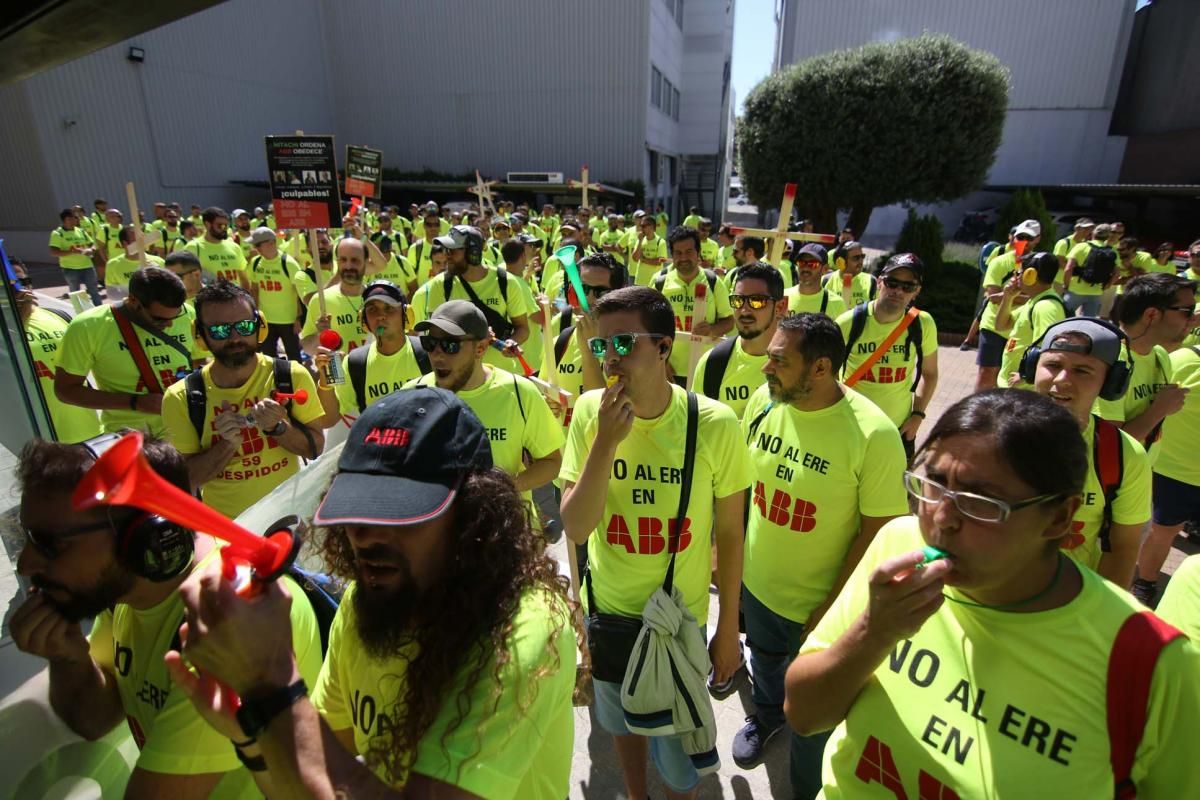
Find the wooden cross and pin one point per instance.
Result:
(583, 184)
(780, 234)
(483, 192)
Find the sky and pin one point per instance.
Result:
(753, 45)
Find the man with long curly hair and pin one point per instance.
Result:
(451, 661)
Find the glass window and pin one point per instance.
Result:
(667, 95)
(675, 105)
(655, 87)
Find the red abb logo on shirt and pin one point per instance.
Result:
(886, 375)
(876, 765)
(785, 510)
(650, 538)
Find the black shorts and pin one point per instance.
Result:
(991, 349)
(1175, 502)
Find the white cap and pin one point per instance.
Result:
(1030, 227)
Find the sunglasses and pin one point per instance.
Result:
(622, 343)
(51, 544)
(896, 283)
(1189, 310)
(596, 291)
(448, 346)
(223, 330)
(166, 320)
(756, 301)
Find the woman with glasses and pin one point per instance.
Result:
(996, 670)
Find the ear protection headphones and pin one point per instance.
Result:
(472, 244)
(151, 546)
(393, 291)
(1115, 382)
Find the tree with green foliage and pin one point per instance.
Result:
(917, 120)
(1027, 204)
(923, 236)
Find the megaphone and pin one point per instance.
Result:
(566, 255)
(122, 476)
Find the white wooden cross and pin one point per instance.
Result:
(483, 192)
(780, 235)
(583, 184)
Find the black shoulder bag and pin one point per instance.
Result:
(611, 636)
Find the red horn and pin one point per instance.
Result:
(300, 396)
(122, 476)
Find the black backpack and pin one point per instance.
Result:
(858, 323)
(501, 326)
(356, 367)
(1099, 266)
(661, 278)
(718, 362)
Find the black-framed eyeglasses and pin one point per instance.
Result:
(50, 544)
(756, 301)
(896, 283)
(448, 346)
(223, 330)
(976, 506)
(596, 291)
(164, 320)
(1189, 310)
(622, 343)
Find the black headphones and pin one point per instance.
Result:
(472, 244)
(1116, 382)
(151, 546)
(390, 289)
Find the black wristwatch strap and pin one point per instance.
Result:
(279, 428)
(255, 715)
(253, 763)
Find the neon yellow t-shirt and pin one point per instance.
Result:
(118, 270)
(1180, 603)
(1181, 430)
(43, 331)
(998, 273)
(108, 238)
(569, 369)
(1130, 507)
(282, 284)
(640, 272)
(628, 552)
(710, 251)
(817, 473)
(223, 259)
(345, 312)
(397, 271)
(172, 738)
(515, 303)
(743, 376)
(860, 286)
(682, 297)
(1079, 254)
(92, 343)
(1029, 324)
(986, 703)
(385, 374)
(166, 238)
(521, 749)
(64, 239)
(514, 415)
(730, 278)
(262, 463)
(821, 302)
(888, 383)
(725, 259)
(1150, 373)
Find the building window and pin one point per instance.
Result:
(675, 105)
(655, 87)
(668, 89)
(679, 13)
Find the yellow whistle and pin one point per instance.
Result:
(611, 379)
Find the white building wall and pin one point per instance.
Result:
(707, 49)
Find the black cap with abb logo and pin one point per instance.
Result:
(404, 460)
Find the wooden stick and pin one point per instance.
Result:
(316, 258)
(549, 368)
(699, 312)
(785, 216)
(131, 196)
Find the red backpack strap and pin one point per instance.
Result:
(1108, 460)
(1135, 653)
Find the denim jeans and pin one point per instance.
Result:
(774, 642)
(77, 277)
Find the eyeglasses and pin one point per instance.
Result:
(896, 283)
(223, 330)
(622, 343)
(51, 543)
(756, 301)
(1189, 310)
(165, 320)
(969, 504)
(448, 346)
(596, 291)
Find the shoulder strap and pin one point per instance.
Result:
(517, 392)
(422, 358)
(711, 276)
(282, 369)
(197, 402)
(254, 262)
(754, 423)
(714, 369)
(858, 323)
(65, 317)
(915, 339)
(1135, 653)
(134, 345)
(1108, 461)
(659, 279)
(795, 272)
(883, 346)
(502, 282)
(356, 368)
(560, 344)
(824, 300)
(685, 486)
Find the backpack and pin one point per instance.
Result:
(283, 262)
(501, 326)
(565, 329)
(718, 362)
(197, 399)
(1108, 459)
(356, 368)
(858, 323)
(661, 278)
(1099, 266)
(324, 594)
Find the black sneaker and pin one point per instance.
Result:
(719, 690)
(750, 742)
(1144, 591)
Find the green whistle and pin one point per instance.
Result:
(931, 554)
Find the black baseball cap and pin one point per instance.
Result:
(404, 460)
(908, 261)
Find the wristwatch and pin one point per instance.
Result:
(279, 428)
(255, 715)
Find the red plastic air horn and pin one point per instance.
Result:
(123, 477)
(300, 396)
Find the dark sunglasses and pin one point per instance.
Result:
(51, 544)
(448, 346)
(896, 283)
(165, 320)
(596, 291)
(756, 301)
(221, 331)
(622, 343)
(1189, 310)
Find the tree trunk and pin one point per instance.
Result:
(860, 215)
